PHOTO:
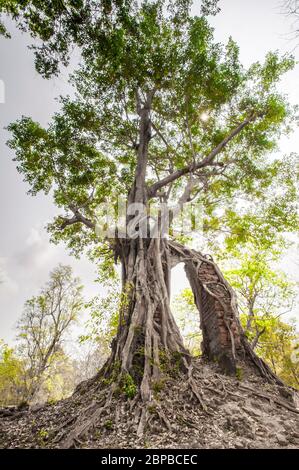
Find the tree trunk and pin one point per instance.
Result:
(148, 340)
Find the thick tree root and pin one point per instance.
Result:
(269, 398)
(105, 413)
(102, 412)
(95, 416)
(195, 391)
(87, 420)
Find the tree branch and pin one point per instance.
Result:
(208, 160)
(77, 218)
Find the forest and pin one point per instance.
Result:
(171, 168)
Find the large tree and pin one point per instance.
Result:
(162, 113)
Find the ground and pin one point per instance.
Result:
(235, 412)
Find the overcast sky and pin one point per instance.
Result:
(26, 256)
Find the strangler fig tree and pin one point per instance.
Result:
(161, 113)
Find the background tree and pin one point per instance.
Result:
(11, 376)
(62, 375)
(101, 327)
(162, 113)
(60, 379)
(44, 322)
(291, 9)
(263, 289)
(279, 346)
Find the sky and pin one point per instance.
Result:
(26, 256)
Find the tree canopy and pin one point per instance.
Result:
(214, 124)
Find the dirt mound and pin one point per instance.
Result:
(238, 412)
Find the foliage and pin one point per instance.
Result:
(61, 25)
(202, 99)
(187, 318)
(60, 379)
(278, 346)
(11, 375)
(262, 287)
(129, 387)
(101, 327)
(210, 7)
(10, 7)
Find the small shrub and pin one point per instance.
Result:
(158, 386)
(42, 436)
(128, 386)
(239, 373)
(108, 424)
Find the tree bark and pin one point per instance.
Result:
(148, 339)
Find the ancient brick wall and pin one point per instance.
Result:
(224, 340)
(220, 328)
